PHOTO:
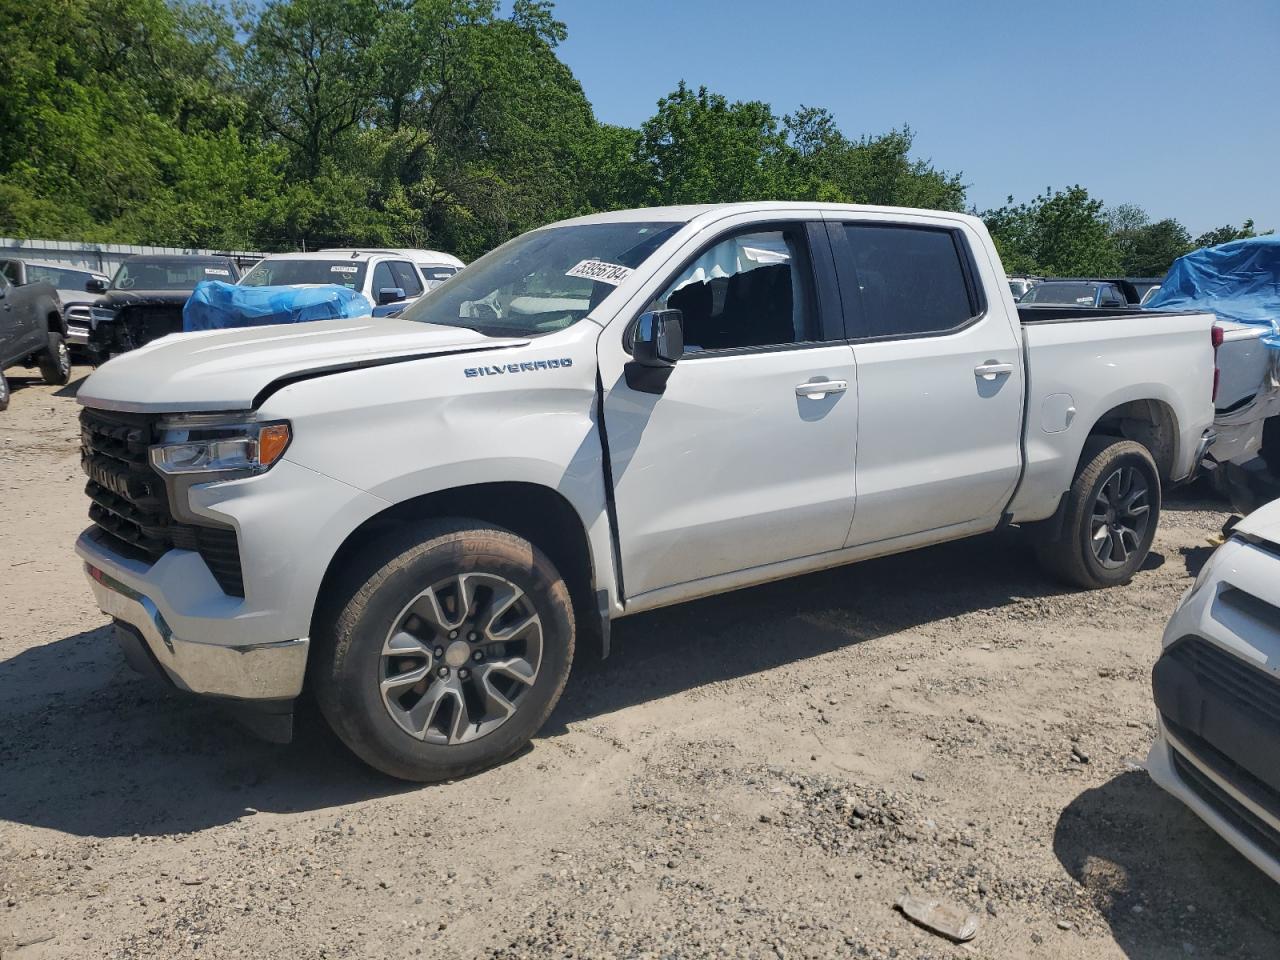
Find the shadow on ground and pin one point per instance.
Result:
(91, 749)
(1165, 883)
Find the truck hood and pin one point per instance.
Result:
(227, 369)
(151, 298)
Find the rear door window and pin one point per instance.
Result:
(909, 281)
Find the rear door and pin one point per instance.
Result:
(940, 386)
(746, 458)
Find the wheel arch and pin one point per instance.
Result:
(540, 514)
(1148, 421)
(55, 322)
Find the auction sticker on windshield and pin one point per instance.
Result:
(600, 271)
(217, 272)
(342, 268)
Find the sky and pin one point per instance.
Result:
(1173, 105)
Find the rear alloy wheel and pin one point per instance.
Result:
(55, 361)
(443, 650)
(1121, 512)
(1109, 519)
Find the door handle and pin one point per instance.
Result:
(817, 389)
(990, 370)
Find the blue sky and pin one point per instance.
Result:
(1174, 105)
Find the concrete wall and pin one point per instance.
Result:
(103, 257)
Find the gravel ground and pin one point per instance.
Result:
(760, 774)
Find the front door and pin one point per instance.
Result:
(940, 387)
(746, 458)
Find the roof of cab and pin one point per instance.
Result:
(688, 213)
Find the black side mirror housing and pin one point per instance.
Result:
(656, 345)
(96, 285)
(390, 295)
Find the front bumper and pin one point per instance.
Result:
(1217, 695)
(256, 671)
(1230, 814)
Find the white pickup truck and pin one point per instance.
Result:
(416, 518)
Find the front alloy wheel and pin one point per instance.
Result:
(460, 658)
(442, 648)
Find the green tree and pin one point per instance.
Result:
(1059, 233)
(700, 148)
(1153, 248)
(1226, 234)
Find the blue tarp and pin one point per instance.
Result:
(215, 305)
(1239, 280)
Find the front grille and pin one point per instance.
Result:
(147, 322)
(1240, 817)
(127, 498)
(129, 505)
(1231, 679)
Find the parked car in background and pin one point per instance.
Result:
(145, 298)
(601, 417)
(32, 332)
(436, 267)
(1240, 282)
(1018, 286)
(389, 281)
(1217, 693)
(72, 284)
(1075, 293)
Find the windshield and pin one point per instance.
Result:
(60, 277)
(285, 273)
(1069, 294)
(168, 274)
(542, 281)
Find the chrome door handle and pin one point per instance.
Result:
(990, 370)
(817, 389)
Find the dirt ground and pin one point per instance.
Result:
(760, 774)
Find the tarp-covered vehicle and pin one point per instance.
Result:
(215, 305)
(1240, 282)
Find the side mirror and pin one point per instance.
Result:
(658, 342)
(659, 338)
(390, 295)
(96, 285)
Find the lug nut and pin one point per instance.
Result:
(443, 673)
(473, 636)
(439, 651)
(464, 673)
(478, 656)
(453, 634)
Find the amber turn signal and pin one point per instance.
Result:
(272, 441)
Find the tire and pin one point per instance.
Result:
(4, 392)
(1090, 550)
(55, 361)
(390, 622)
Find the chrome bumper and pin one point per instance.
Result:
(1198, 462)
(266, 671)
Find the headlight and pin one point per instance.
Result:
(219, 444)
